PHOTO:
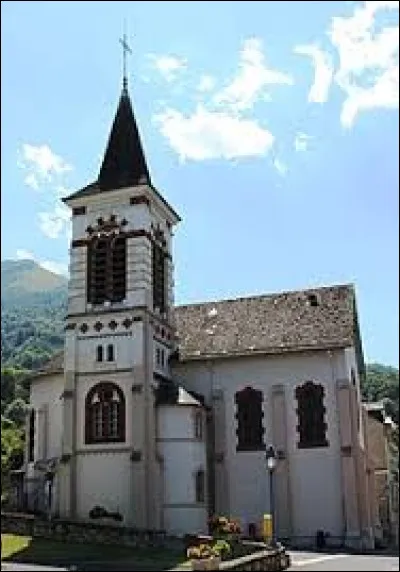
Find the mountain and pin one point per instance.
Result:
(26, 282)
(33, 304)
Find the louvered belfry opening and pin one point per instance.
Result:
(159, 293)
(106, 269)
(118, 263)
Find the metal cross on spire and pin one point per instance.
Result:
(125, 49)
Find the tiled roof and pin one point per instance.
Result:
(289, 321)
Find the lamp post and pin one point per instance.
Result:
(271, 465)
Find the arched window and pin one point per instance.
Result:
(105, 414)
(106, 278)
(200, 481)
(249, 415)
(310, 413)
(99, 353)
(110, 352)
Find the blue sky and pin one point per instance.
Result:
(272, 127)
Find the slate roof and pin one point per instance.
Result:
(272, 323)
(170, 393)
(124, 163)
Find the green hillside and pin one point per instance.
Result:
(33, 303)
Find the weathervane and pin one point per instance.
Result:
(125, 49)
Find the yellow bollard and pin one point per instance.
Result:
(267, 528)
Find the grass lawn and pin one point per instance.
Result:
(40, 551)
(11, 544)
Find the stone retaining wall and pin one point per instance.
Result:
(262, 560)
(84, 532)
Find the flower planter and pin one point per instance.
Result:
(206, 563)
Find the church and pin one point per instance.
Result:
(160, 415)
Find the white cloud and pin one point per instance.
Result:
(206, 83)
(50, 265)
(32, 181)
(301, 141)
(384, 93)
(249, 84)
(54, 223)
(323, 72)
(280, 167)
(41, 164)
(222, 127)
(213, 135)
(368, 60)
(22, 254)
(169, 66)
(46, 168)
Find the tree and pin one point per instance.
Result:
(16, 412)
(12, 452)
(382, 384)
(7, 385)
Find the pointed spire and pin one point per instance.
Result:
(124, 163)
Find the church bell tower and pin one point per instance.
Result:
(119, 333)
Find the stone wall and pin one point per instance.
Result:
(84, 532)
(262, 560)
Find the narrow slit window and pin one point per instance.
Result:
(99, 353)
(198, 425)
(110, 353)
(200, 486)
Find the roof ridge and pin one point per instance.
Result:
(349, 286)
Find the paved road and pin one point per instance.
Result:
(301, 562)
(309, 561)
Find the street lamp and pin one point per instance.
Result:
(271, 465)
